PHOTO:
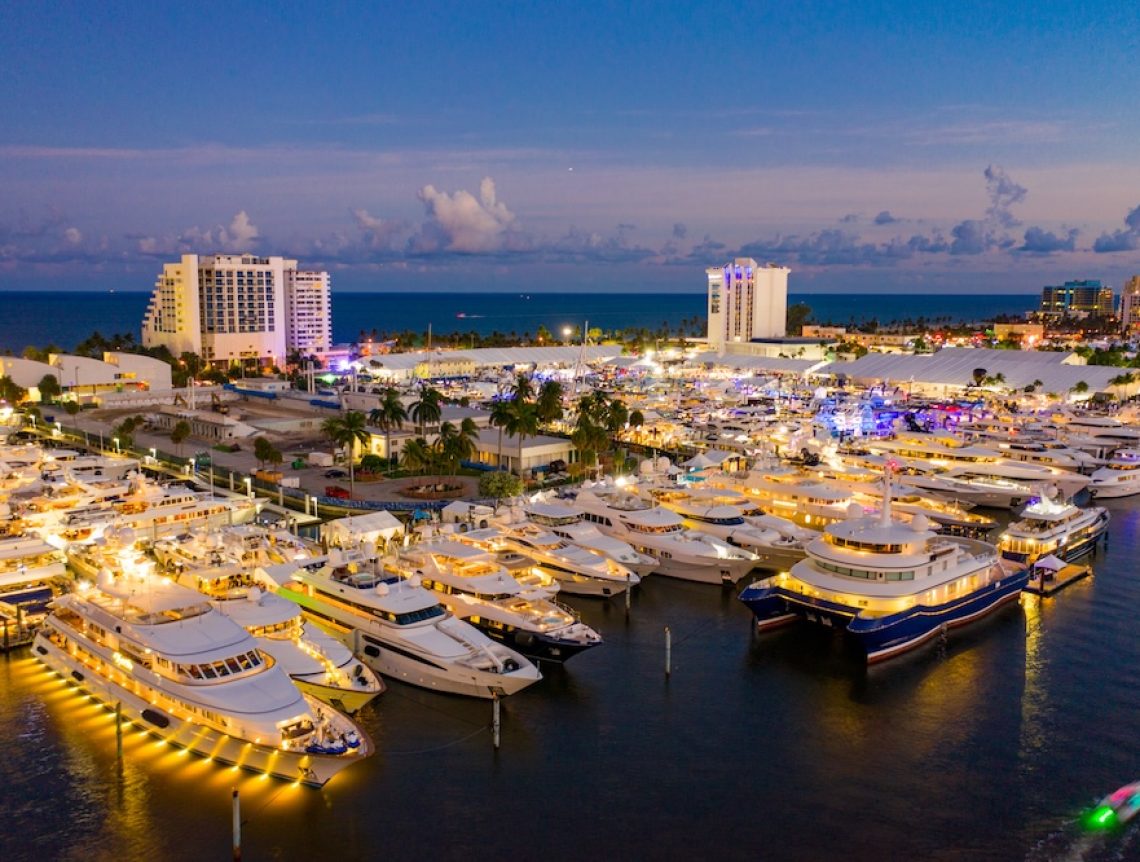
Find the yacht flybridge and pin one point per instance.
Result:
(397, 627)
(568, 523)
(890, 585)
(194, 678)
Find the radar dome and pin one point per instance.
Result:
(663, 464)
(854, 510)
(920, 523)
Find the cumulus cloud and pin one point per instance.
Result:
(885, 217)
(1121, 240)
(241, 235)
(850, 218)
(1040, 241)
(462, 222)
(1003, 193)
(378, 233)
(977, 236)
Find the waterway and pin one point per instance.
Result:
(775, 747)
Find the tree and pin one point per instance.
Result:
(523, 390)
(636, 419)
(1080, 388)
(10, 392)
(500, 416)
(417, 455)
(616, 415)
(71, 408)
(446, 446)
(390, 414)
(49, 387)
(979, 375)
(181, 431)
(498, 485)
(427, 410)
(466, 442)
(262, 450)
(523, 422)
(799, 313)
(345, 432)
(549, 403)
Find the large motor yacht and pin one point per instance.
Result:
(476, 588)
(567, 523)
(890, 585)
(578, 571)
(1053, 527)
(398, 628)
(188, 674)
(654, 530)
(1120, 477)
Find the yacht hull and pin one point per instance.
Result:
(312, 769)
(1068, 551)
(882, 637)
(348, 700)
(572, 584)
(537, 646)
(706, 572)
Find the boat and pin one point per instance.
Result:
(1052, 527)
(477, 589)
(889, 585)
(398, 628)
(1120, 477)
(567, 523)
(654, 530)
(163, 657)
(1116, 809)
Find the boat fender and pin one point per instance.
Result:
(510, 665)
(156, 718)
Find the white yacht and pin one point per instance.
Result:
(476, 588)
(398, 628)
(1120, 477)
(186, 673)
(1050, 527)
(654, 530)
(890, 585)
(567, 523)
(31, 574)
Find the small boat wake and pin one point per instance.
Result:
(467, 316)
(1102, 834)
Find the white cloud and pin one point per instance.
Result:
(461, 222)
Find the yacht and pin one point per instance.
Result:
(1120, 477)
(578, 571)
(890, 585)
(474, 587)
(397, 627)
(654, 530)
(1052, 527)
(31, 574)
(567, 523)
(804, 501)
(186, 673)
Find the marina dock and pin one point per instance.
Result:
(1046, 583)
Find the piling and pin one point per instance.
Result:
(628, 590)
(496, 723)
(119, 729)
(668, 652)
(237, 826)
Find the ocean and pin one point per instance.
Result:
(774, 747)
(41, 318)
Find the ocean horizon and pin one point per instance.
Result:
(37, 317)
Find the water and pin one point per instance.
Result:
(780, 747)
(65, 318)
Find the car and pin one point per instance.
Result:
(336, 492)
(336, 473)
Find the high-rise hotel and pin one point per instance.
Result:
(239, 308)
(747, 301)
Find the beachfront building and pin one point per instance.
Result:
(1078, 299)
(746, 301)
(239, 308)
(1130, 306)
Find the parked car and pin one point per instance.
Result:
(337, 491)
(336, 473)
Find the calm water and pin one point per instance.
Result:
(66, 318)
(775, 747)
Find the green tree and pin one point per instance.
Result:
(498, 485)
(799, 313)
(181, 431)
(10, 392)
(523, 423)
(500, 416)
(391, 414)
(523, 389)
(549, 403)
(49, 387)
(71, 408)
(417, 456)
(636, 419)
(427, 410)
(345, 432)
(262, 450)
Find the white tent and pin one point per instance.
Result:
(698, 462)
(1050, 564)
(375, 527)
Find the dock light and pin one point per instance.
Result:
(249, 486)
(153, 454)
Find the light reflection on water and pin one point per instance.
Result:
(775, 747)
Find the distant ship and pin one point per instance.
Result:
(465, 314)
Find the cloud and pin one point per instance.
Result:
(73, 235)
(463, 223)
(1121, 240)
(379, 234)
(850, 218)
(1040, 241)
(885, 217)
(239, 236)
(679, 231)
(1003, 193)
(970, 237)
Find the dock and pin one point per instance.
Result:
(1043, 582)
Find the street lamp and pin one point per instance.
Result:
(154, 455)
(115, 440)
(566, 333)
(249, 487)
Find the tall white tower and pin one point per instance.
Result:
(746, 301)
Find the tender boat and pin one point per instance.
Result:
(397, 627)
(1049, 526)
(476, 588)
(191, 676)
(890, 585)
(1117, 808)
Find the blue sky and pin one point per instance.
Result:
(871, 147)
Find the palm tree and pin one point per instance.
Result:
(523, 390)
(465, 443)
(345, 432)
(616, 415)
(390, 414)
(445, 446)
(427, 410)
(523, 421)
(549, 403)
(417, 455)
(500, 416)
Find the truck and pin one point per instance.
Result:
(320, 459)
(290, 482)
(274, 476)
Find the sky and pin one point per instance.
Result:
(870, 147)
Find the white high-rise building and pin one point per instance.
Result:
(746, 301)
(1130, 306)
(239, 308)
